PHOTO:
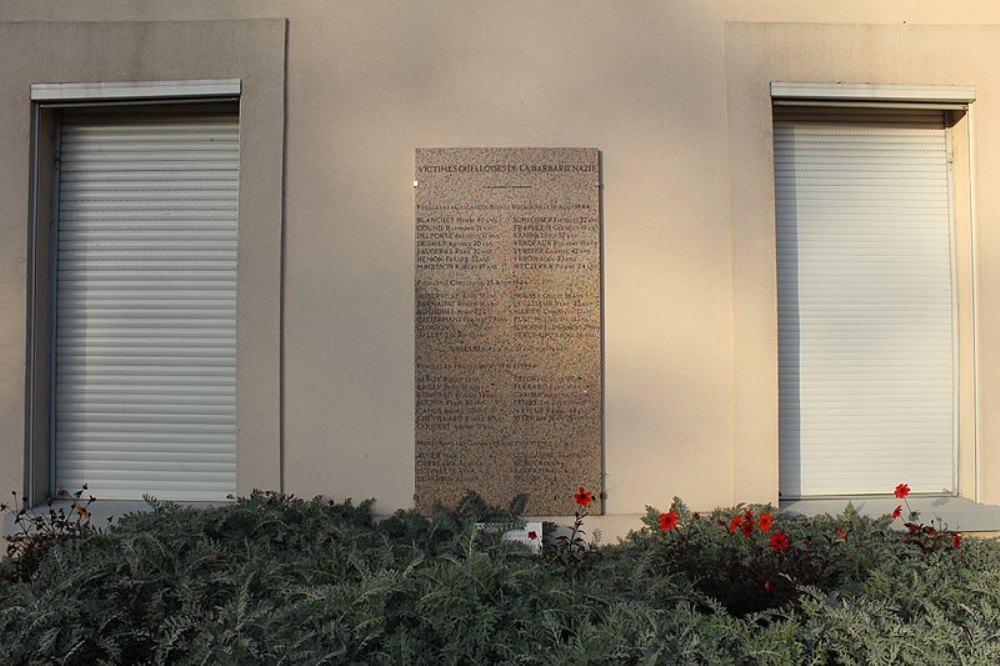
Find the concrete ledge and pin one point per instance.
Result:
(100, 510)
(956, 513)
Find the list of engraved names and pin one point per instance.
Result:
(508, 328)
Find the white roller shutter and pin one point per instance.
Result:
(865, 301)
(145, 385)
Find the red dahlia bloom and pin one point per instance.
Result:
(779, 541)
(583, 497)
(897, 512)
(735, 523)
(765, 521)
(669, 520)
(902, 490)
(956, 540)
(532, 535)
(840, 532)
(747, 524)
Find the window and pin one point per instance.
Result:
(138, 289)
(867, 298)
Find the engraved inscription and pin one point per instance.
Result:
(508, 325)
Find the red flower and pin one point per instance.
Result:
(583, 497)
(840, 532)
(765, 522)
(532, 536)
(669, 520)
(742, 521)
(897, 512)
(902, 490)
(735, 523)
(956, 539)
(779, 541)
(767, 586)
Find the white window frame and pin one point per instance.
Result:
(945, 97)
(49, 96)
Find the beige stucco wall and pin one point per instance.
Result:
(675, 96)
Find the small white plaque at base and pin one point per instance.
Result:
(520, 535)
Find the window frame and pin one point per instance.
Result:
(258, 281)
(957, 101)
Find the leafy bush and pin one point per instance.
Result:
(35, 533)
(751, 558)
(279, 580)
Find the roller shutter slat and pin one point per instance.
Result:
(145, 306)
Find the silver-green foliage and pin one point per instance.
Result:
(277, 580)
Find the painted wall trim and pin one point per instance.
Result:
(50, 92)
(866, 91)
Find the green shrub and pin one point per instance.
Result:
(35, 533)
(272, 579)
(752, 558)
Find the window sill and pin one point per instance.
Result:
(100, 510)
(956, 513)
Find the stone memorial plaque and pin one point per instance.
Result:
(508, 325)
